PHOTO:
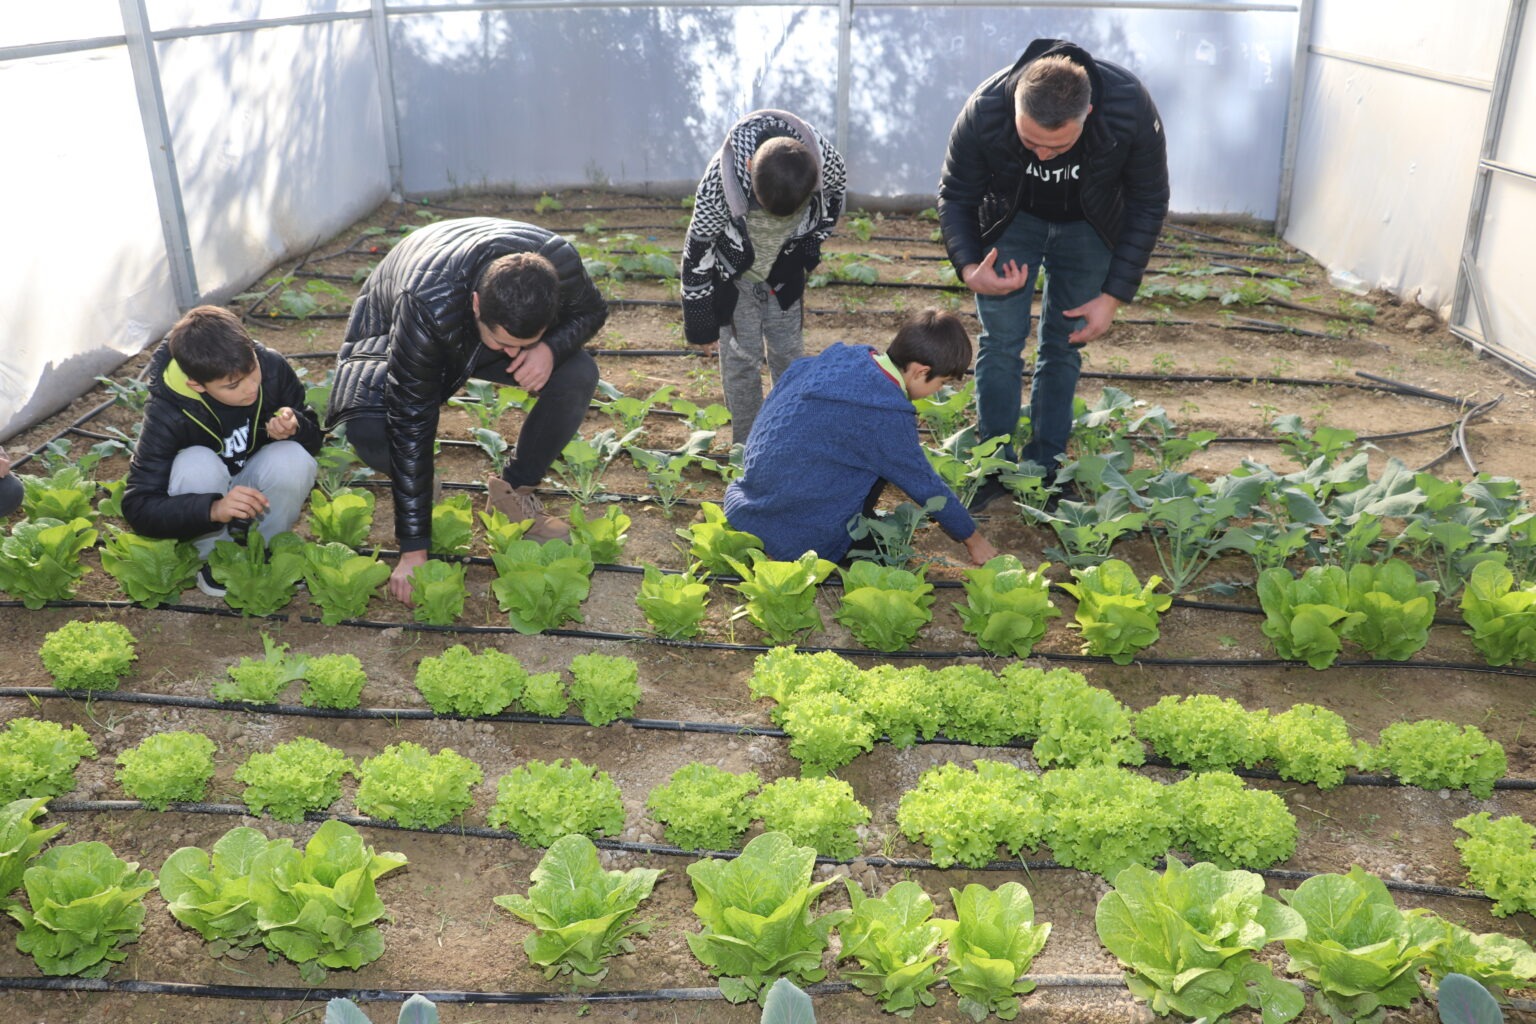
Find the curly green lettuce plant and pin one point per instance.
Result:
(821, 813)
(1432, 754)
(544, 695)
(581, 914)
(1204, 732)
(1500, 857)
(333, 681)
(38, 758)
(460, 682)
(1104, 819)
(543, 801)
(406, 784)
(1217, 818)
(166, 767)
(262, 680)
(88, 655)
(293, 778)
(605, 687)
(702, 807)
(964, 814)
(1310, 744)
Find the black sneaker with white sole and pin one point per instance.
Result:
(207, 584)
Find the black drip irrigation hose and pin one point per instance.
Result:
(38, 693)
(846, 652)
(663, 850)
(267, 993)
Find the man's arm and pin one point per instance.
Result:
(1145, 184)
(417, 366)
(962, 186)
(583, 311)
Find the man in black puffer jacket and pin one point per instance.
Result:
(493, 299)
(1060, 160)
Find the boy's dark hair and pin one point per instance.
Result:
(1054, 90)
(935, 338)
(210, 344)
(519, 293)
(783, 175)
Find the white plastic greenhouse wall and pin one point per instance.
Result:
(160, 153)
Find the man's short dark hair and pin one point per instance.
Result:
(519, 293)
(210, 344)
(783, 175)
(1053, 90)
(935, 338)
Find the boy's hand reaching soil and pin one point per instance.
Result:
(979, 549)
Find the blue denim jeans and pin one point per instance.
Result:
(1076, 261)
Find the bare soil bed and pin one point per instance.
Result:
(446, 934)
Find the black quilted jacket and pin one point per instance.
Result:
(1125, 184)
(412, 339)
(177, 417)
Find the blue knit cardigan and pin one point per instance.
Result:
(831, 427)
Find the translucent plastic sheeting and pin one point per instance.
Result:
(171, 15)
(1386, 154)
(1504, 269)
(623, 96)
(1221, 82)
(278, 139)
(58, 22)
(83, 274)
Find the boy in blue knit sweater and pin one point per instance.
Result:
(836, 429)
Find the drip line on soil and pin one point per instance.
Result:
(846, 652)
(661, 849)
(267, 993)
(649, 724)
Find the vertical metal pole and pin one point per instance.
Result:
(379, 24)
(1498, 101)
(844, 70)
(162, 153)
(1293, 116)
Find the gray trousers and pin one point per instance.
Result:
(281, 470)
(758, 326)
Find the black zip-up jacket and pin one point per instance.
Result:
(177, 417)
(1124, 191)
(413, 338)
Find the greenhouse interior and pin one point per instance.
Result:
(409, 574)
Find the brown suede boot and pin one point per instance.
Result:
(519, 504)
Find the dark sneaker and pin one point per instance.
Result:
(990, 490)
(207, 584)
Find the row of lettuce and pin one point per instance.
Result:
(832, 710)
(1384, 610)
(1187, 937)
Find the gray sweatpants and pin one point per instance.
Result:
(758, 326)
(281, 470)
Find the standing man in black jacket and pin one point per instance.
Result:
(493, 299)
(1058, 160)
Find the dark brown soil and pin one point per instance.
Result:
(445, 932)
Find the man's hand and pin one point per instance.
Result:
(979, 549)
(5, 463)
(986, 278)
(241, 502)
(284, 425)
(400, 579)
(1099, 313)
(531, 366)
(706, 351)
